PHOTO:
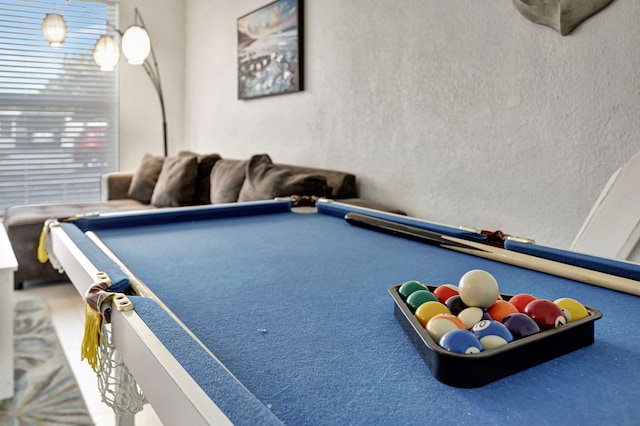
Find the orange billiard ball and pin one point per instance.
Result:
(440, 324)
(499, 310)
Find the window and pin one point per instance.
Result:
(58, 112)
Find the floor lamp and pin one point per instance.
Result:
(136, 48)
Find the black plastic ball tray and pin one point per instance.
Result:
(474, 370)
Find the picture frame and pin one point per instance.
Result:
(270, 54)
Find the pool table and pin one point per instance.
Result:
(257, 313)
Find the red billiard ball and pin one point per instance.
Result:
(445, 291)
(546, 314)
(520, 325)
(520, 301)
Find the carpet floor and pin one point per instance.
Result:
(46, 392)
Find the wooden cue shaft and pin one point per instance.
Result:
(564, 270)
(572, 272)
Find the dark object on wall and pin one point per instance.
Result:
(270, 50)
(561, 15)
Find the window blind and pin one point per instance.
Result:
(58, 112)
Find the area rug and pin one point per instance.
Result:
(46, 392)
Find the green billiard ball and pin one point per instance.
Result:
(419, 297)
(409, 287)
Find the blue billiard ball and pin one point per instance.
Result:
(520, 325)
(492, 334)
(461, 342)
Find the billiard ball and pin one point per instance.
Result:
(521, 300)
(471, 316)
(545, 313)
(520, 325)
(461, 342)
(441, 324)
(455, 304)
(419, 297)
(445, 291)
(409, 287)
(572, 309)
(492, 334)
(428, 310)
(478, 288)
(500, 309)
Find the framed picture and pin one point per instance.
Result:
(270, 50)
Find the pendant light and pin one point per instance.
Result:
(54, 29)
(136, 44)
(106, 53)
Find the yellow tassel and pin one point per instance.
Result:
(92, 336)
(43, 256)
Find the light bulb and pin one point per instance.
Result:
(136, 44)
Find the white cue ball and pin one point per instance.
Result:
(478, 288)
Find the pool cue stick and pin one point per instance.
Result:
(522, 260)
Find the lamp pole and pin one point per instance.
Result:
(154, 75)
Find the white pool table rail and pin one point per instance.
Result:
(173, 393)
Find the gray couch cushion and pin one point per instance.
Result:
(265, 180)
(227, 178)
(176, 182)
(339, 184)
(145, 178)
(202, 190)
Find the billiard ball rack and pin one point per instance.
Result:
(479, 369)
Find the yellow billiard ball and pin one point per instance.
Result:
(572, 309)
(428, 310)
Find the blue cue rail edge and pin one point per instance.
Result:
(522, 260)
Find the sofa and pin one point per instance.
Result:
(186, 179)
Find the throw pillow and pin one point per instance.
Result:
(144, 179)
(227, 178)
(176, 182)
(266, 181)
(202, 190)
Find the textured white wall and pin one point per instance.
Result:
(458, 111)
(140, 114)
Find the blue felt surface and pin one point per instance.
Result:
(119, 280)
(296, 306)
(232, 398)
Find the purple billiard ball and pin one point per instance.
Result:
(492, 334)
(461, 342)
(546, 314)
(520, 325)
